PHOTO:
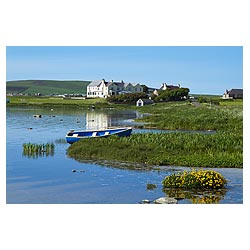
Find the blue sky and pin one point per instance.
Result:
(204, 70)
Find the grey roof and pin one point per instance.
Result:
(235, 92)
(170, 87)
(126, 84)
(119, 84)
(107, 84)
(146, 100)
(122, 84)
(95, 83)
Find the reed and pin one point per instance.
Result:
(35, 150)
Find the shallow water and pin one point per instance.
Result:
(49, 179)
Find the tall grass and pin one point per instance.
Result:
(34, 150)
(195, 150)
(186, 116)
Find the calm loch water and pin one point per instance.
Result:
(50, 179)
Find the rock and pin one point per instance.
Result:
(145, 201)
(151, 186)
(165, 200)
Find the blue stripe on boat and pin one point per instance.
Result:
(74, 136)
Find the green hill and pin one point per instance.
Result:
(46, 87)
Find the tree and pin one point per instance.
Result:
(172, 95)
(127, 98)
(145, 88)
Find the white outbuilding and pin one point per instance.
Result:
(143, 102)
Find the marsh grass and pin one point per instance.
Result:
(193, 150)
(34, 150)
(184, 115)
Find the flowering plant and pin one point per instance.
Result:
(195, 179)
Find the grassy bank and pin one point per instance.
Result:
(221, 149)
(193, 150)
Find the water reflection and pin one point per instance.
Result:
(120, 165)
(96, 120)
(36, 155)
(197, 196)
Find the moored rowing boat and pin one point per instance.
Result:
(74, 136)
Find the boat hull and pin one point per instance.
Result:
(74, 136)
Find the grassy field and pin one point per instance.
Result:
(54, 101)
(224, 148)
(46, 87)
(186, 116)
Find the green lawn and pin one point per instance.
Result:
(54, 101)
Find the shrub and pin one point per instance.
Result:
(171, 95)
(127, 98)
(195, 179)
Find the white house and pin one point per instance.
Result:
(233, 94)
(103, 89)
(97, 89)
(143, 102)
